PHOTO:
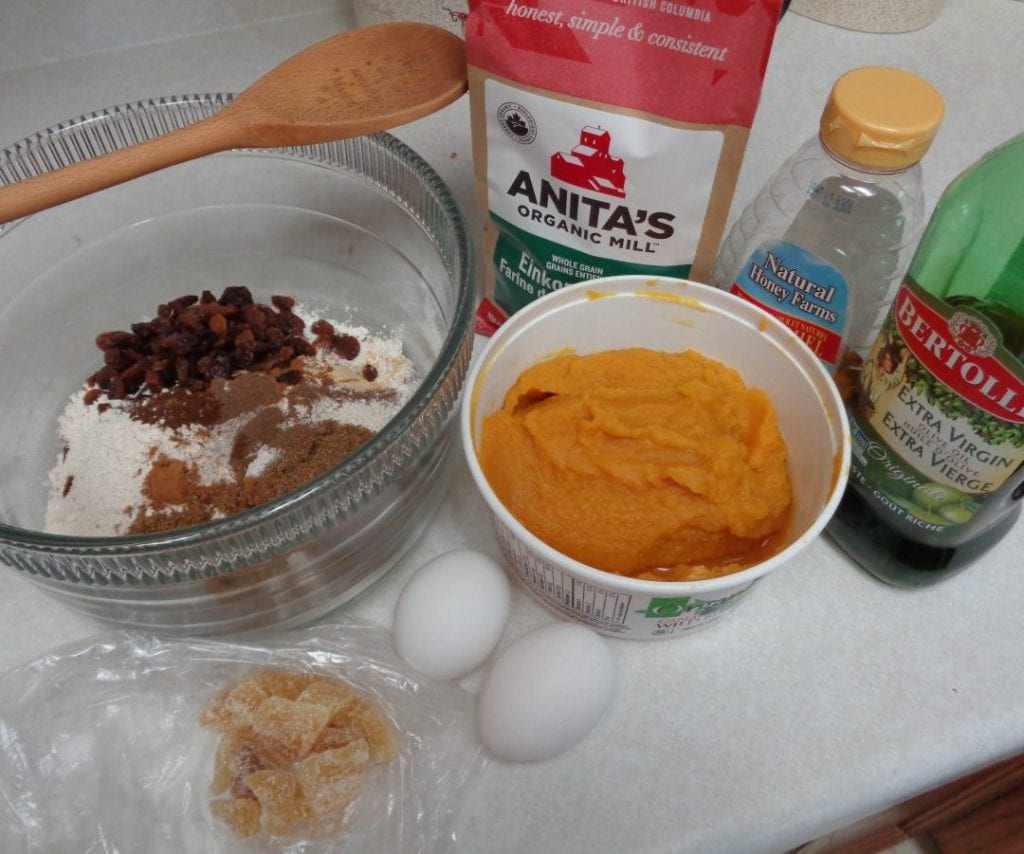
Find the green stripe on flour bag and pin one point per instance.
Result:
(527, 267)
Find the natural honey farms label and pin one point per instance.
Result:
(801, 290)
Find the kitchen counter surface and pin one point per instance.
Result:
(826, 696)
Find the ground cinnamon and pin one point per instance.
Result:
(177, 496)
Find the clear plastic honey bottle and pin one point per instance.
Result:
(824, 244)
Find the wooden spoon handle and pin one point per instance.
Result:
(72, 182)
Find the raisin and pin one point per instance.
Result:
(238, 295)
(209, 309)
(292, 322)
(196, 339)
(192, 320)
(134, 375)
(177, 343)
(290, 377)
(218, 325)
(369, 373)
(254, 316)
(243, 358)
(346, 346)
(181, 303)
(322, 329)
(300, 346)
(113, 340)
(214, 365)
(116, 360)
(103, 376)
(143, 331)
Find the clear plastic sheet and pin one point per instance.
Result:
(101, 749)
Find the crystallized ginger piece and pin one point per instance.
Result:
(334, 696)
(284, 731)
(242, 815)
(235, 709)
(236, 758)
(331, 780)
(280, 798)
(376, 731)
(338, 735)
(284, 683)
(225, 764)
(245, 761)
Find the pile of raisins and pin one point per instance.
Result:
(196, 339)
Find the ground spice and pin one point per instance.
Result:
(177, 496)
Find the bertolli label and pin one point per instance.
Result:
(939, 423)
(961, 351)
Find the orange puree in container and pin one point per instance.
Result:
(643, 463)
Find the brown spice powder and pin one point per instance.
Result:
(174, 491)
(177, 497)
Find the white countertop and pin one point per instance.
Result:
(826, 695)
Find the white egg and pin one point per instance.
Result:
(545, 692)
(451, 614)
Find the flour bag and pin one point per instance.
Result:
(607, 136)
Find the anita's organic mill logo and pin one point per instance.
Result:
(579, 198)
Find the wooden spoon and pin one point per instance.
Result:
(358, 82)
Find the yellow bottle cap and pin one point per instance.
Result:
(881, 118)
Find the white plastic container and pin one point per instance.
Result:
(671, 315)
(825, 243)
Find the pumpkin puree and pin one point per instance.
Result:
(643, 463)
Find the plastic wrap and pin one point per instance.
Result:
(101, 749)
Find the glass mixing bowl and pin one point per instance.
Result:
(359, 230)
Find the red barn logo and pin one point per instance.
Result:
(590, 165)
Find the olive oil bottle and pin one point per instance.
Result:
(937, 414)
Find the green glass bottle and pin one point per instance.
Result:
(937, 416)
